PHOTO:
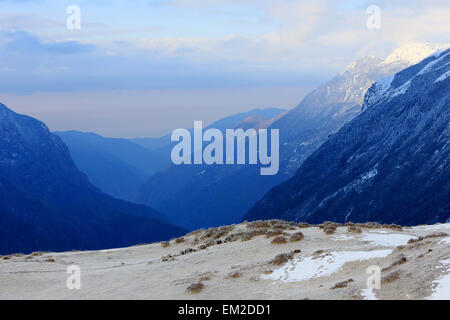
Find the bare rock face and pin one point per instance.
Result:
(389, 164)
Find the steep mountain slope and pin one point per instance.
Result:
(47, 204)
(116, 166)
(202, 196)
(390, 164)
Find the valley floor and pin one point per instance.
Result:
(238, 262)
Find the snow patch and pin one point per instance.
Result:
(443, 76)
(342, 237)
(400, 90)
(445, 240)
(381, 87)
(441, 290)
(433, 227)
(110, 250)
(429, 66)
(369, 175)
(368, 294)
(387, 240)
(410, 52)
(324, 265)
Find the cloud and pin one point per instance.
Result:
(29, 64)
(284, 42)
(27, 43)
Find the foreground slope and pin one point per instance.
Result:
(241, 262)
(390, 164)
(47, 204)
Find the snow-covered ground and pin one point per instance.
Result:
(441, 290)
(238, 263)
(324, 265)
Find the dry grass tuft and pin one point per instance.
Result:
(342, 284)
(217, 233)
(350, 224)
(298, 236)
(50, 260)
(235, 275)
(391, 277)
(195, 288)
(329, 229)
(168, 258)
(354, 229)
(303, 225)
(274, 222)
(279, 240)
(180, 240)
(204, 278)
(423, 254)
(371, 225)
(395, 227)
(195, 232)
(36, 254)
(318, 252)
(281, 226)
(329, 224)
(273, 233)
(189, 250)
(253, 233)
(258, 224)
(282, 258)
(400, 260)
(165, 244)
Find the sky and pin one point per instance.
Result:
(146, 67)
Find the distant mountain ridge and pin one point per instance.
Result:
(116, 166)
(119, 167)
(46, 203)
(221, 124)
(203, 196)
(390, 164)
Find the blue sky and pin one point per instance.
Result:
(176, 61)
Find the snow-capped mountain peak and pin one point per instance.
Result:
(436, 64)
(411, 52)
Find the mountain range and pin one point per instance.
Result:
(390, 164)
(119, 167)
(46, 203)
(212, 195)
(116, 166)
(371, 144)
